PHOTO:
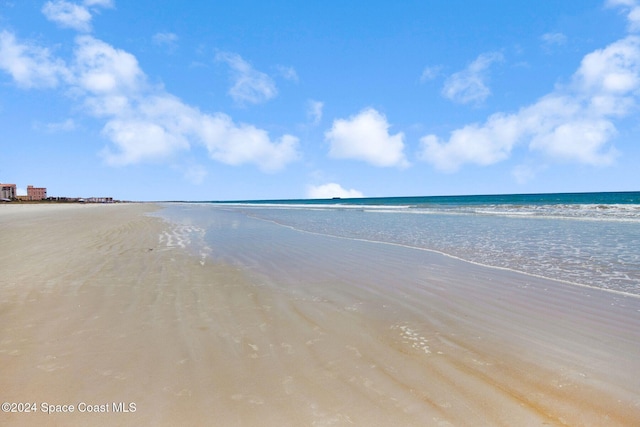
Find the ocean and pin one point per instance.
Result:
(589, 239)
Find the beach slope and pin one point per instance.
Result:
(103, 312)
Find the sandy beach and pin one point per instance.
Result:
(103, 316)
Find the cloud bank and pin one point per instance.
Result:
(142, 122)
(29, 65)
(572, 123)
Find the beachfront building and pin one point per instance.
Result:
(36, 193)
(98, 200)
(7, 191)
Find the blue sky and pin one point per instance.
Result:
(203, 100)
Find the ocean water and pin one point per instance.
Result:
(590, 239)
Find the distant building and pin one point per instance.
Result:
(98, 200)
(7, 191)
(63, 199)
(36, 193)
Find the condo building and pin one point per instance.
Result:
(36, 193)
(7, 191)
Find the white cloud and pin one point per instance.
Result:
(314, 111)
(140, 140)
(480, 144)
(160, 125)
(469, 85)
(331, 190)
(237, 144)
(71, 15)
(249, 85)
(611, 72)
(100, 68)
(578, 140)
(572, 123)
(634, 19)
(68, 15)
(365, 137)
(633, 11)
(143, 123)
(30, 66)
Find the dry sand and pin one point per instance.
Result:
(96, 309)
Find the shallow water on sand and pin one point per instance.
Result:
(272, 326)
(598, 252)
(380, 317)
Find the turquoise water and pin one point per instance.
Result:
(589, 239)
(608, 198)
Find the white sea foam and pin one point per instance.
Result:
(182, 236)
(589, 212)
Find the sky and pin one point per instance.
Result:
(212, 100)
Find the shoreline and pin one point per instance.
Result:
(97, 308)
(458, 258)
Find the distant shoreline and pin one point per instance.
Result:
(65, 202)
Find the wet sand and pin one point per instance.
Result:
(100, 307)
